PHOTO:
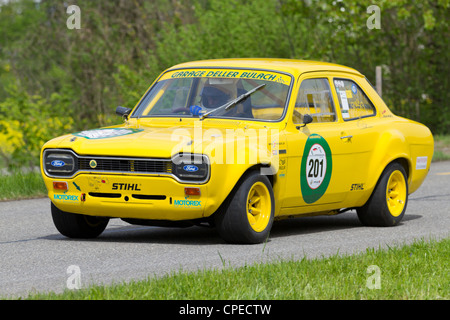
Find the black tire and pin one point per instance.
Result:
(78, 225)
(236, 223)
(387, 204)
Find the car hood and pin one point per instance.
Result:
(151, 140)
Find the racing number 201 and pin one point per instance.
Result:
(315, 171)
(314, 165)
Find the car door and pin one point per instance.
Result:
(358, 133)
(322, 155)
(310, 157)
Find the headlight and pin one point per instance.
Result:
(191, 167)
(59, 163)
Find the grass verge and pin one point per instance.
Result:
(441, 148)
(20, 185)
(418, 271)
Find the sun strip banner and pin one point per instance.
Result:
(228, 73)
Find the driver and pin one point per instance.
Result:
(210, 98)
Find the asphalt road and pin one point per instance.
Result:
(35, 257)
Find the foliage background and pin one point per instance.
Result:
(54, 80)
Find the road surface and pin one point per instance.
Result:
(35, 257)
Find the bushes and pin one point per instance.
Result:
(27, 122)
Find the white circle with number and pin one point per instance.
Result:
(316, 166)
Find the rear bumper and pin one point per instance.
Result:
(123, 196)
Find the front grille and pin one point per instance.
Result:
(125, 165)
(96, 164)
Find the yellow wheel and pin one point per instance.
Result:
(259, 206)
(247, 214)
(396, 193)
(387, 204)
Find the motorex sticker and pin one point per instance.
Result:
(316, 168)
(106, 133)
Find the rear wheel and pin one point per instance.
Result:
(387, 205)
(78, 225)
(248, 214)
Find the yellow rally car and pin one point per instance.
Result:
(237, 144)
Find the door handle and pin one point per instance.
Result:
(347, 137)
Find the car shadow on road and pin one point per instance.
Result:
(151, 235)
(317, 224)
(121, 233)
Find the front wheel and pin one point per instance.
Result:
(78, 225)
(248, 214)
(387, 205)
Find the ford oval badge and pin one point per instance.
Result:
(190, 168)
(58, 163)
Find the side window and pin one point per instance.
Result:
(353, 101)
(314, 98)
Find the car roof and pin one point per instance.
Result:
(292, 66)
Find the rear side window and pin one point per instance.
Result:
(314, 98)
(353, 101)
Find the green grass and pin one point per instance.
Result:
(418, 271)
(19, 185)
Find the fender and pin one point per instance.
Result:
(227, 176)
(395, 142)
(227, 172)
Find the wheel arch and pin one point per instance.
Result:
(406, 164)
(391, 146)
(248, 171)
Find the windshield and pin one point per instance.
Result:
(222, 93)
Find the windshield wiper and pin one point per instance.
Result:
(233, 103)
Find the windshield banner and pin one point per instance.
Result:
(228, 73)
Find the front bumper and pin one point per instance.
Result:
(130, 196)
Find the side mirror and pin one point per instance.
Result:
(306, 119)
(123, 112)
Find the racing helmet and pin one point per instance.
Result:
(212, 97)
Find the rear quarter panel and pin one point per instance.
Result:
(405, 141)
(398, 139)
